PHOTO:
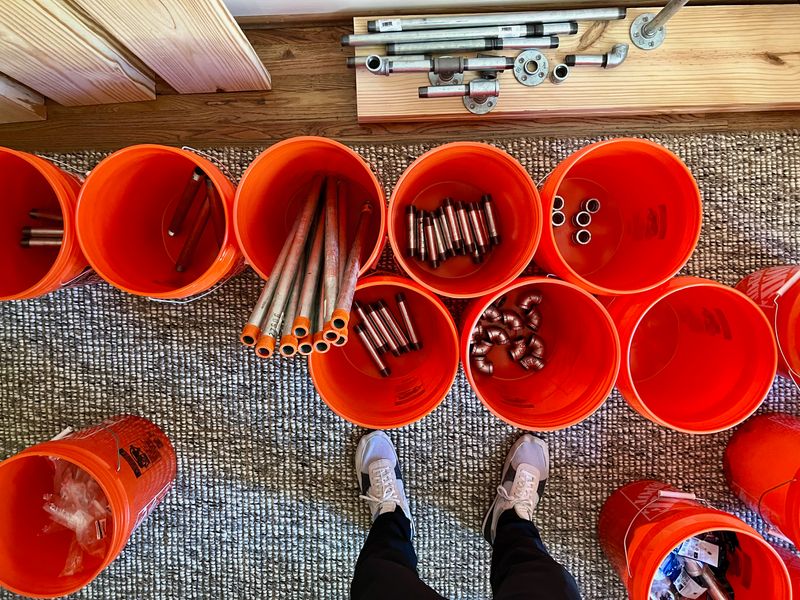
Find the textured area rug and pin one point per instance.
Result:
(266, 504)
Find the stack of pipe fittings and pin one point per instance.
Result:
(380, 332)
(513, 328)
(43, 235)
(454, 229)
(410, 45)
(199, 189)
(305, 304)
(580, 221)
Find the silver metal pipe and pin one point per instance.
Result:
(449, 64)
(301, 323)
(477, 88)
(665, 14)
(476, 45)
(360, 62)
(567, 28)
(489, 19)
(439, 35)
(615, 57)
(330, 276)
(39, 232)
(341, 313)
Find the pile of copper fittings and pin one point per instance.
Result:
(515, 328)
(581, 220)
(454, 229)
(380, 332)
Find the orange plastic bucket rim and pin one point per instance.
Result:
(472, 315)
(526, 256)
(690, 516)
(551, 185)
(301, 141)
(677, 285)
(403, 420)
(228, 257)
(70, 261)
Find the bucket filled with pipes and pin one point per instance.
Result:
(310, 217)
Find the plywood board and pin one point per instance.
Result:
(194, 45)
(51, 48)
(715, 58)
(18, 103)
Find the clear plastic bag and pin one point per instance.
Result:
(79, 505)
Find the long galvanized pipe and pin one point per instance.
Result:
(252, 329)
(302, 323)
(294, 256)
(341, 314)
(477, 45)
(331, 269)
(381, 65)
(439, 35)
(494, 19)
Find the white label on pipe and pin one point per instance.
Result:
(688, 587)
(695, 549)
(385, 25)
(512, 31)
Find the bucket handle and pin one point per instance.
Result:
(221, 166)
(772, 530)
(82, 175)
(793, 375)
(659, 496)
(196, 297)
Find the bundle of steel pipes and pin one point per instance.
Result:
(305, 304)
(380, 332)
(43, 237)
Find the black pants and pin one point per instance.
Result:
(521, 567)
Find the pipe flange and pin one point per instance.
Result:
(640, 40)
(480, 106)
(453, 78)
(530, 67)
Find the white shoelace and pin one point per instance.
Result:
(387, 490)
(523, 491)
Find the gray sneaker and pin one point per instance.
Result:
(379, 476)
(522, 482)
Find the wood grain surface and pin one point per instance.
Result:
(314, 94)
(53, 49)
(715, 58)
(18, 103)
(194, 45)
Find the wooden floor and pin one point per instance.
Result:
(313, 94)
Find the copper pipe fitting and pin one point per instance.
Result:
(478, 333)
(518, 349)
(531, 300)
(496, 335)
(531, 363)
(511, 319)
(483, 364)
(534, 319)
(480, 348)
(492, 314)
(536, 346)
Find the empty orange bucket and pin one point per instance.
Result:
(30, 183)
(276, 184)
(465, 171)
(350, 383)
(776, 290)
(581, 354)
(762, 466)
(134, 465)
(642, 522)
(124, 212)
(646, 228)
(697, 356)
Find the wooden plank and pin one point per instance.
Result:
(196, 46)
(715, 58)
(50, 47)
(325, 108)
(18, 103)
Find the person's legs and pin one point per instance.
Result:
(387, 566)
(521, 565)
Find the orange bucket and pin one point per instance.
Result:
(134, 464)
(642, 522)
(276, 184)
(792, 562)
(466, 171)
(762, 466)
(697, 356)
(124, 212)
(647, 226)
(32, 182)
(582, 358)
(350, 383)
(776, 290)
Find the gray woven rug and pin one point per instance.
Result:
(266, 503)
